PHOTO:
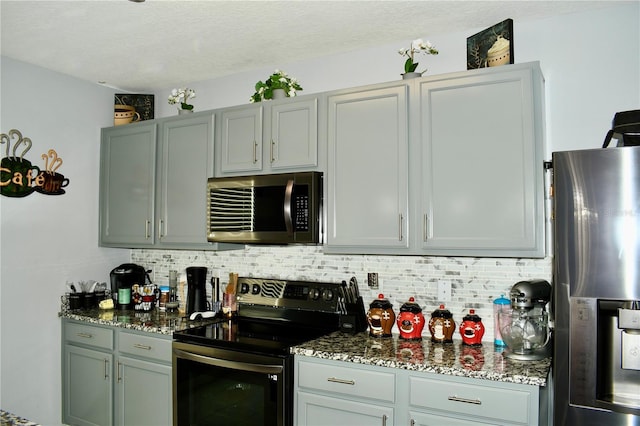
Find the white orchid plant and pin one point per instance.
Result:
(278, 80)
(417, 46)
(181, 96)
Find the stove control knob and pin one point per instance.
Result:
(315, 294)
(244, 288)
(255, 289)
(327, 295)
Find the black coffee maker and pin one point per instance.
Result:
(196, 289)
(123, 278)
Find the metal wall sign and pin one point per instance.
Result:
(19, 177)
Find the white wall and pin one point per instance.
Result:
(590, 61)
(47, 240)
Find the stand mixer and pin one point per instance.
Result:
(525, 329)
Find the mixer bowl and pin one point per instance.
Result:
(525, 332)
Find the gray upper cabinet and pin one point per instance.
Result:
(241, 139)
(153, 183)
(293, 134)
(367, 179)
(448, 165)
(482, 163)
(185, 161)
(127, 185)
(273, 136)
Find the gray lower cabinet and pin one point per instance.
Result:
(442, 165)
(367, 169)
(112, 376)
(436, 399)
(153, 179)
(272, 137)
(342, 393)
(334, 393)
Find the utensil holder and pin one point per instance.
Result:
(355, 320)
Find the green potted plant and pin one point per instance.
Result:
(417, 46)
(277, 80)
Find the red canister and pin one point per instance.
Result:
(410, 321)
(472, 329)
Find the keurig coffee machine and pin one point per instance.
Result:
(122, 279)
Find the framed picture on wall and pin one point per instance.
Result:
(491, 47)
(143, 104)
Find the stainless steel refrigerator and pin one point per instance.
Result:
(596, 300)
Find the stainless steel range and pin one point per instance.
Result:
(240, 371)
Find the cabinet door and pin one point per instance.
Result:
(428, 419)
(143, 393)
(482, 170)
(294, 134)
(318, 410)
(185, 161)
(368, 169)
(87, 387)
(241, 142)
(127, 185)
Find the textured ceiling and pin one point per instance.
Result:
(140, 47)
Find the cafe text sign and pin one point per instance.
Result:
(19, 178)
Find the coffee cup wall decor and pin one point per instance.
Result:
(19, 177)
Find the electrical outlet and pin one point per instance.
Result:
(444, 291)
(372, 280)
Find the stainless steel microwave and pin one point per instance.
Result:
(281, 208)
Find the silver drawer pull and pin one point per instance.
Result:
(342, 381)
(465, 400)
(85, 335)
(139, 346)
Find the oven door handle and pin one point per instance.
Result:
(235, 365)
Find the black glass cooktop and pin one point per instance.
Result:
(270, 337)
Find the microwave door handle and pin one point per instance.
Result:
(288, 195)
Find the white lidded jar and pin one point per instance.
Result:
(501, 305)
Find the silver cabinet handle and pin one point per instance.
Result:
(273, 144)
(341, 381)
(384, 420)
(465, 400)
(147, 226)
(255, 152)
(85, 335)
(119, 378)
(425, 237)
(106, 369)
(412, 423)
(140, 346)
(400, 220)
(160, 228)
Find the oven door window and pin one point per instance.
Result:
(231, 393)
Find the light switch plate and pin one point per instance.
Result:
(444, 291)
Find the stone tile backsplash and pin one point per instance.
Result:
(475, 282)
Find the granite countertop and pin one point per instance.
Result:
(454, 359)
(7, 418)
(154, 321)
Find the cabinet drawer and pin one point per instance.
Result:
(490, 402)
(353, 382)
(145, 346)
(89, 335)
